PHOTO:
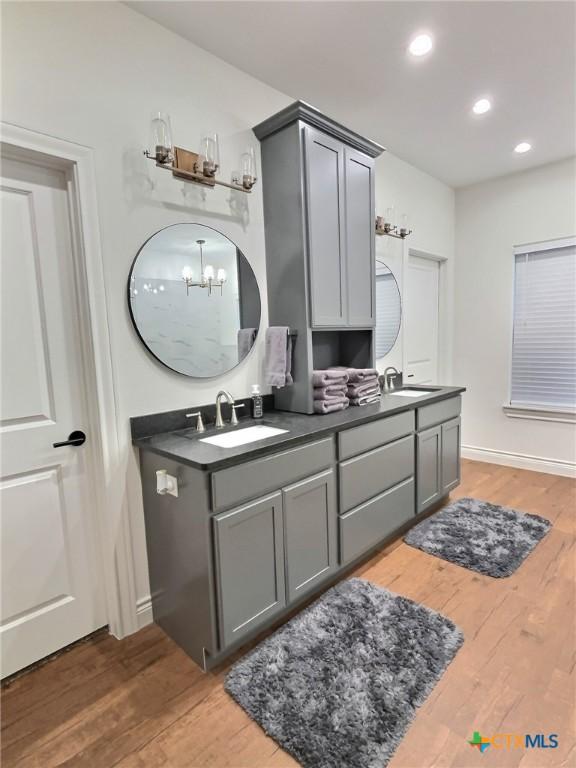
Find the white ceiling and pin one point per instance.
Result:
(349, 59)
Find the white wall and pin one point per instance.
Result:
(92, 73)
(430, 206)
(491, 218)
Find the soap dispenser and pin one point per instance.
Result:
(257, 407)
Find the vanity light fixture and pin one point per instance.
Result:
(199, 167)
(207, 277)
(385, 225)
(146, 287)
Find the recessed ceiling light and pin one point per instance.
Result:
(522, 147)
(420, 45)
(482, 106)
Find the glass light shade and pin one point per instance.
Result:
(221, 275)
(210, 149)
(209, 272)
(404, 222)
(187, 273)
(389, 216)
(248, 163)
(161, 136)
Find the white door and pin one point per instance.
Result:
(51, 593)
(421, 306)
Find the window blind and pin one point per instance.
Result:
(544, 332)
(387, 311)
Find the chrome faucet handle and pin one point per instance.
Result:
(234, 417)
(199, 423)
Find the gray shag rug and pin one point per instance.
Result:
(483, 537)
(339, 684)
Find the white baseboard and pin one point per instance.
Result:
(520, 461)
(144, 611)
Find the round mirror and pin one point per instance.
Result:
(388, 310)
(194, 300)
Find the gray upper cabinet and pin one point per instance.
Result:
(360, 241)
(318, 185)
(324, 173)
(340, 214)
(428, 467)
(450, 455)
(249, 566)
(310, 532)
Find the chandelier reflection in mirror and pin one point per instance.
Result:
(195, 332)
(208, 279)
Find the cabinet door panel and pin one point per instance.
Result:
(450, 455)
(360, 239)
(325, 205)
(249, 566)
(428, 462)
(310, 532)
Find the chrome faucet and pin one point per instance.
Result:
(229, 400)
(390, 379)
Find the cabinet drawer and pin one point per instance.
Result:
(358, 440)
(255, 478)
(430, 415)
(371, 473)
(366, 525)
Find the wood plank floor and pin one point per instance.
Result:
(141, 703)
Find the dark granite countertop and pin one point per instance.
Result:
(185, 445)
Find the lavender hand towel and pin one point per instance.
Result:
(321, 406)
(278, 357)
(329, 377)
(331, 400)
(357, 375)
(369, 387)
(328, 393)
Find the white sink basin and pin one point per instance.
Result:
(410, 392)
(243, 436)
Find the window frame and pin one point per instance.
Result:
(535, 411)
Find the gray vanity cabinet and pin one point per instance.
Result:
(324, 178)
(310, 533)
(450, 455)
(437, 451)
(429, 467)
(249, 566)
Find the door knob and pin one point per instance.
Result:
(74, 438)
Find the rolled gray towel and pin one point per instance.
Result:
(329, 393)
(321, 406)
(368, 387)
(357, 375)
(329, 377)
(365, 400)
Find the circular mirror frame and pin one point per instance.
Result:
(133, 319)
